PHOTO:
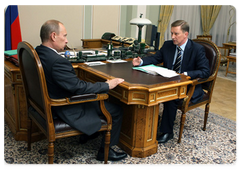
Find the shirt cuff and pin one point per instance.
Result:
(141, 63)
(185, 73)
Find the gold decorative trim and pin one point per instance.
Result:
(18, 77)
(163, 97)
(139, 99)
(154, 109)
(140, 106)
(17, 91)
(125, 94)
(153, 95)
(184, 91)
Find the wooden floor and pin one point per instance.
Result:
(224, 98)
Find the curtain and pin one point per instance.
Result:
(209, 14)
(189, 13)
(219, 31)
(192, 14)
(164, 18)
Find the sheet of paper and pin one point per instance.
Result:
(152, 69)
(95, 63)
(116, 61)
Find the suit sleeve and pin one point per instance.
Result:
(153, 59)
(64, 75)
(201, 65)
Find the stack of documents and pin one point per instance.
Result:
(155, 70)
(96, 63)
(116, 61)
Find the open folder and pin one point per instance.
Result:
(156, 70)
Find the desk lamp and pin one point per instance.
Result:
(140, 22)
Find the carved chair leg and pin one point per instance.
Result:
(206, 115)
(29, 133)
(50, 152)
(106, 148)
(181, 126)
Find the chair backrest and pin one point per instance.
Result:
(213, 56)
(205, 37)
(33, 78)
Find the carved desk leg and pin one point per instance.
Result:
(139, 130)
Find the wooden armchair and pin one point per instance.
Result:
(205, 37)
(39, 103)
(213, 55)
(224, 53)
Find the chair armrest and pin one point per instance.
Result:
(83, 99)
(202, 80)
(78, 99)
(192, 88)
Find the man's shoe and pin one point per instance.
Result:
(163, 138)
(112, 156)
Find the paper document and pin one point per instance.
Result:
(96, 63)
(155, 70)
(116, 61)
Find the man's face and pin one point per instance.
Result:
(60, 40)
(178, 36)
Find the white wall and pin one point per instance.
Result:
(104, 18)
(32, 18)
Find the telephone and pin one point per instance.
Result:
(108, 36)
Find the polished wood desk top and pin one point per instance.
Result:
(134, 77)
(233, 44)
(149, 88)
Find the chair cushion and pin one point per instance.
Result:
(205, 97)
(59, 125)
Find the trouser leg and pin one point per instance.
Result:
(116, 112)
(168, 117)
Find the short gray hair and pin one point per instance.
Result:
(184, 25)
(47, 28)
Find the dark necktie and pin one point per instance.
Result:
(178, 61)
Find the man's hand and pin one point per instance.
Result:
(136, 61)
(114, 82)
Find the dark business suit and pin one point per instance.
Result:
(63, 82)
(194, 63)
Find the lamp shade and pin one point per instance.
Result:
(140, 21)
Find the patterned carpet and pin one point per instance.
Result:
(217, 145)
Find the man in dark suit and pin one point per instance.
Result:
(63, 82)
(189, 59)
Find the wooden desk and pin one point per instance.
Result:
(99, 43)
(139, 95)
(15, 107)
(230, 59)
(230, 46)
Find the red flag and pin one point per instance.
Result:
(12, 28)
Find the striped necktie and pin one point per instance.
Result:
(178, 61)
